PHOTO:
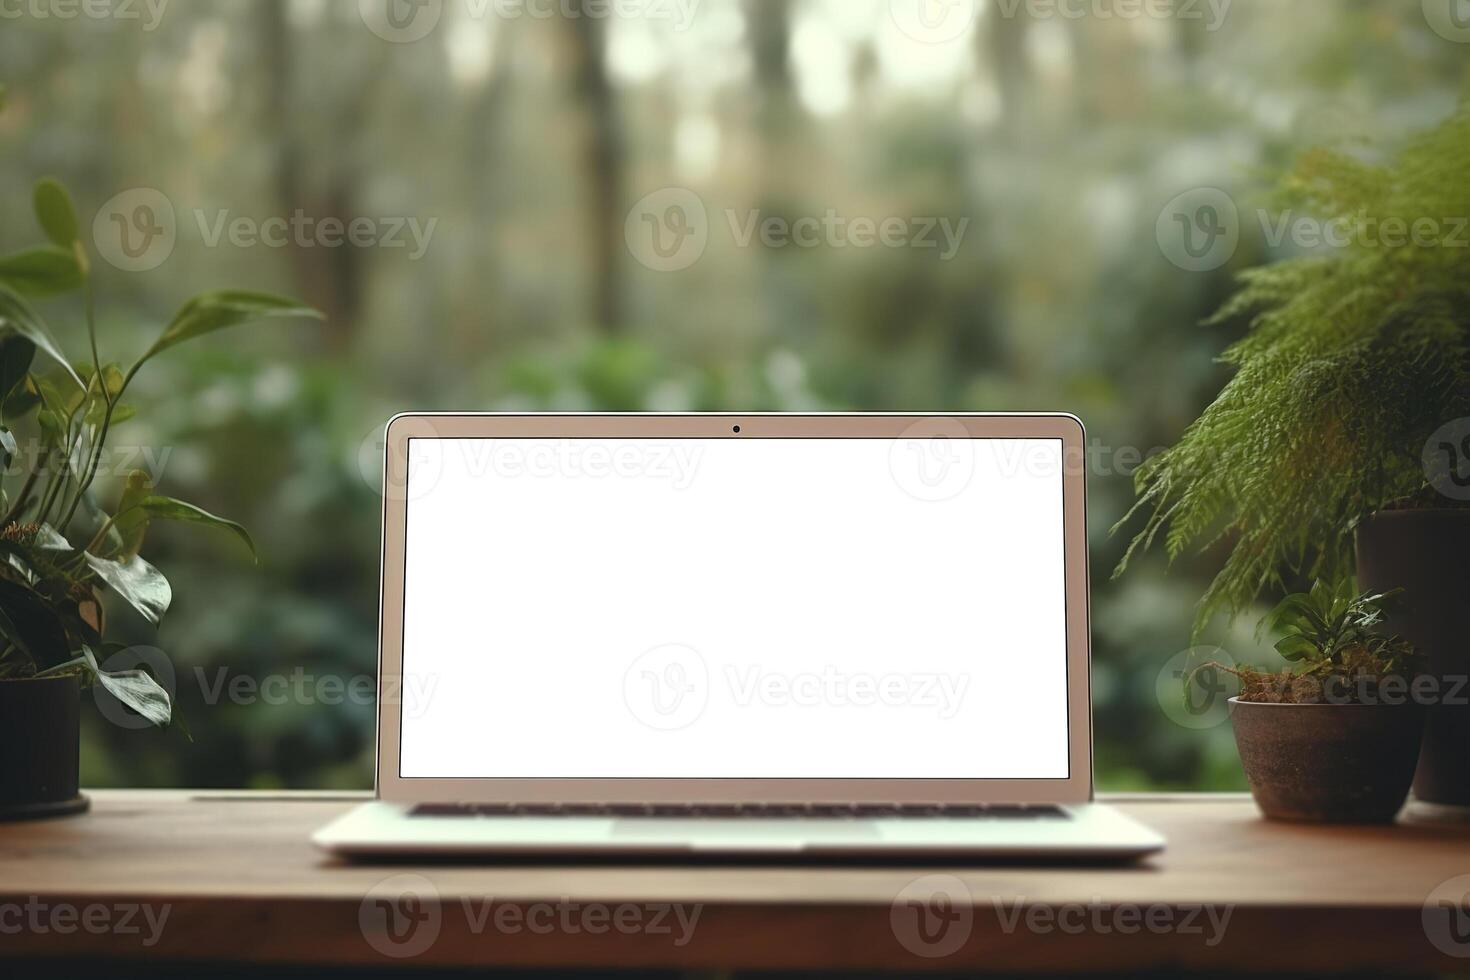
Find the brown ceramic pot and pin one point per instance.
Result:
(1328, 763)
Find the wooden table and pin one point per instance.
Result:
(212, 877)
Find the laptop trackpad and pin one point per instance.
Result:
(746, 832)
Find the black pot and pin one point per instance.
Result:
(39, 747)
(1328, 763)
(1427, 554)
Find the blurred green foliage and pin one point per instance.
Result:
(528, 140)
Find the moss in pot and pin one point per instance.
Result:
(1333, 738)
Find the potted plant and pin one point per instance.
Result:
(60, 550)
(1333, 430)
(1334, 738)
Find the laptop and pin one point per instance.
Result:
(735, 635)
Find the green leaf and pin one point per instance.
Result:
(120, 413)
(169, 509)
(112, 377)
(140, 584)
(135, 688)
(18, 315)
(55, 212)
(1296, 648)
(209, 312)
(30, 622)
(63, 401)
(132, 520)
(41, 271)
(16, 354)
(50, 539)
(24, 397)
(53, 427)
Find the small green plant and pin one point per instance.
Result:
(1353, 360)
(1333, 638)
(60, 549)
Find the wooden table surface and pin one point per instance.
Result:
(232, 877)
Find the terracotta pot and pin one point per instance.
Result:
(39, 747)
(1427, 554)
(1328, 763)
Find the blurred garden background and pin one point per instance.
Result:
(490, 170)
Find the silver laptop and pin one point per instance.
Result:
(735, 635)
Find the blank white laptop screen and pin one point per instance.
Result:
(734, 608)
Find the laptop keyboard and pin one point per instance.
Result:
(764, 811)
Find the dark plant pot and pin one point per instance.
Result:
(1427, 554)
(1328, 763)
(39, 747)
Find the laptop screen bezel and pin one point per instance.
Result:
(393, 787)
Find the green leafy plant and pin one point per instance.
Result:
(60, 550)
(1353, 360)
(1332, 640)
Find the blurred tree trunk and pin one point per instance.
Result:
(777, 111)
(329, 279)
(602, 161)
(770, 50)
(1003, 52)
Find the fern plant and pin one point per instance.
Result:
(1353, 359)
